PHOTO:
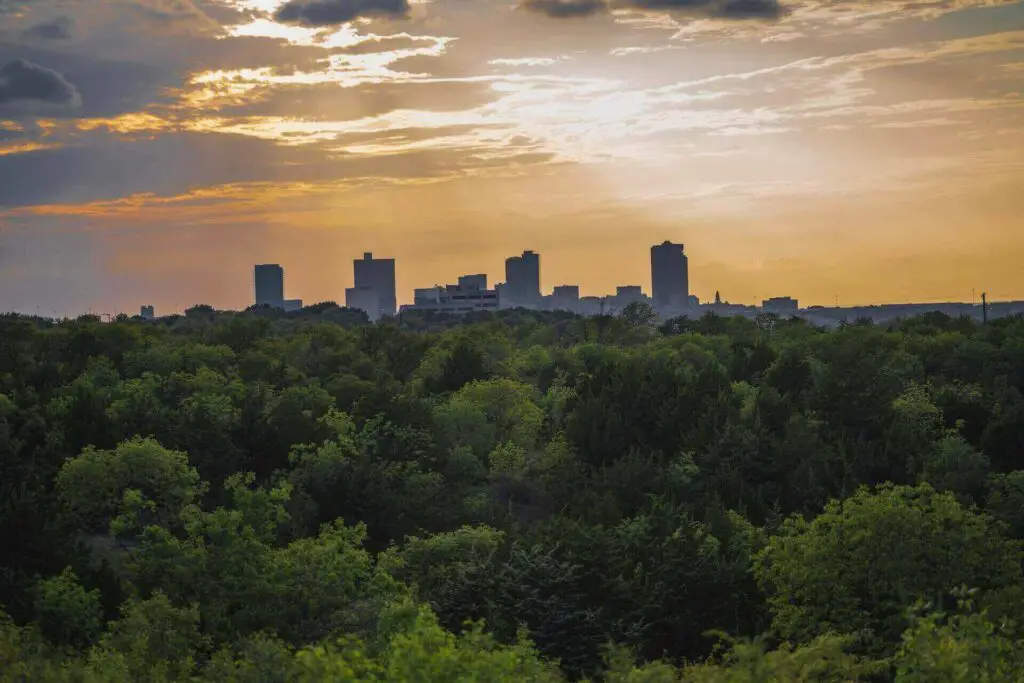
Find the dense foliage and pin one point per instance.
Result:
(520, 496)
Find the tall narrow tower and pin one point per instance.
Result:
(269, 284)
(377, 274)
(670, 276)
(522, 279)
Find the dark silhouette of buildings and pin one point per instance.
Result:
(522, 281)
(147, 313)
(469, 282)
(377, 274)
(670, 277)
(471, 294)
(269, 281)
(781, 305)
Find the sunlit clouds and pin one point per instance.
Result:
(821, 134)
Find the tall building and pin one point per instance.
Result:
(670, 276)
(269, 280)
(522, 281)
(364, 299)
(377, 274)
(147, 313)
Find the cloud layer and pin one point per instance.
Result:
(27, 87)
(335, 12)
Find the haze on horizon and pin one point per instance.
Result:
(152, 151)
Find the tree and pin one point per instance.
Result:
(67, 613)
(859, 565)
(93, 485)
(638, 314)
(965, 646)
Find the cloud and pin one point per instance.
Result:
(717, 9)
(334, 12)
(565, 9)
(56, 29)
(24, 84)
(173, 15)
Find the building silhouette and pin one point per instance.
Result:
(522, 281)
(364, 299)
(147, 313)
(478, 281)
(269, 282)
(670, 277)
(377, 274)
(471, 294)
(781, 305)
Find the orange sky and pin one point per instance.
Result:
(867, 150)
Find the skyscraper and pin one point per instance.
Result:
(379, 275)
(522, 280)
(670, 276)
(269, 279)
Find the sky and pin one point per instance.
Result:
(859, 151)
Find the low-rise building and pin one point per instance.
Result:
(780, 305)
(457, 299)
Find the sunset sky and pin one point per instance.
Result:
(151, 151)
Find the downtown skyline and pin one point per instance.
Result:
(869, 151)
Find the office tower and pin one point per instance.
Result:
(147, 313)
(670, 276)
(365, 299)
(378, 274)
(269, 279)
(522, 280)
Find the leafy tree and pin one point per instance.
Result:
(92, 486)
(864, 561)
(965, 646)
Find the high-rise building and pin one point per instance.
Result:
(365, 299)
(269, 280)
(377, 274)
(522, 281)
(147, 313)
(670, 276)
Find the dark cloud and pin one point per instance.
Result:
(333, 12)
(563, 9)
(720, 9)
(57, 29)
(724, 9)
(27, 85)
(171, 165)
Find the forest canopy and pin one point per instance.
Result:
(518, 496)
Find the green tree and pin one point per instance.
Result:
(864, 561)
(92, 486)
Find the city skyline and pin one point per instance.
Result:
(153, 150)
(404, 296)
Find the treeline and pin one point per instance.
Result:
(518, 496)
